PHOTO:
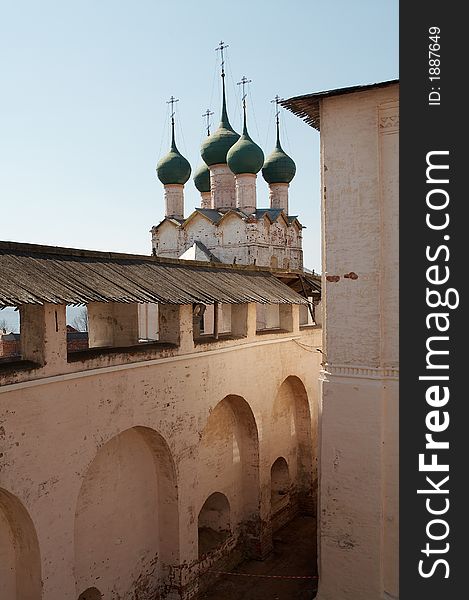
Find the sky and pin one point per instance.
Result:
(84, 118)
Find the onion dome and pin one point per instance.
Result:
(216, 146)
(278, 167)
(202, 178)
(173, 168)
(245, 156)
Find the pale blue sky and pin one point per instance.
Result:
(83, 103)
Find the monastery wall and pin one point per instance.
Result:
(137, 471)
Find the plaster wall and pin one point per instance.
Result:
(234, 238)
(358, 534)
(111, 457)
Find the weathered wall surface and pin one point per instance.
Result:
(359, 437)
(108, 461)
(254, 242)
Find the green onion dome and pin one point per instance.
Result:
(216, 146)
(245, 156)
(173, 168)
(202, 178)
(278, 167)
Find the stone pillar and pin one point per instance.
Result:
(246, 192)
(289, 317)
(174, 200)
(206, 200)
(272, 316)
(222, 187)
(278, 194)
(358, 477)
(44, 335)
(239, 319)
(113, 324)
(251, 320)
(176, 325)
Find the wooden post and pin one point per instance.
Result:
(215, 320)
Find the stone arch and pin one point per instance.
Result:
(214, 523)
(126, 519)
(20, 561)
(279, 485)
(91, 593)
(229, 455)
(274, 262)
(292, 437)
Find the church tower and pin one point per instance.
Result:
(232, 223)
(202, 175)
(245, 160)
(215, 149)
(173, 171)
(279, 170)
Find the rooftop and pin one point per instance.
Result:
(36, 274)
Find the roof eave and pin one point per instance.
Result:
(307, 106)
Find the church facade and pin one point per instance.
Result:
(175, 447)
(229, 226)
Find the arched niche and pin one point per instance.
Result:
(126, 519)
(229, 456)
(214, 524)
(279, 485)
(20, 561)
(91, 593)
(293, 434)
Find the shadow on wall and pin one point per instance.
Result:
(128, 498)
(280, 485)
(20, 562)
(90, 594)
(213, 523)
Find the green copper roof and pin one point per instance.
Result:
(245, 156)
(202, 178)
(173, 168)
(278, 167)
(216, 146)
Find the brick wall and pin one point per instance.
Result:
(8, 347)
(11, 347)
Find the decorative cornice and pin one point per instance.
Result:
(389, 122)
(388, 118)
(359, 371)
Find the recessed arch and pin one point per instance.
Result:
(20, 561)
(229, 449)
(126, 519)
(91, 593)
(214, 523)
(293, 436)
(279, 485)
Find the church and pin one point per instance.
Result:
(229, 226)
(210, 408)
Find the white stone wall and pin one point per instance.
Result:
(249, 242)
(359, 423)
(232, 238)
(107, 461)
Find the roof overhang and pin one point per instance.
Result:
(307, 107)
(34, 274)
